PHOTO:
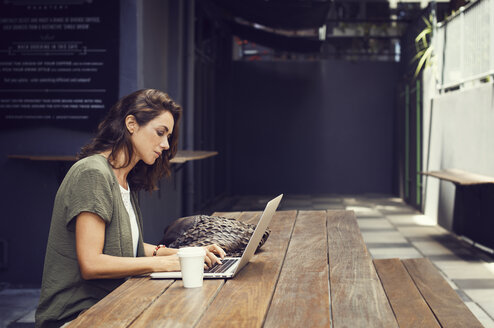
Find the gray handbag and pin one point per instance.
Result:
(201, 230)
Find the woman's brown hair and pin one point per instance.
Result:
(113, 135)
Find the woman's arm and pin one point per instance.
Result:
(90, 239)
(162, 251)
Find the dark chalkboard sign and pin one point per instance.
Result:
(58, 62)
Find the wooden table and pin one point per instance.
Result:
(313, 271)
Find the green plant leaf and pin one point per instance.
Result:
(427, 22)
(424, 60)
(423, 37)
(418, 55)
(423, 46)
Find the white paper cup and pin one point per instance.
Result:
(192, 266)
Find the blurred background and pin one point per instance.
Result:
(301, 97)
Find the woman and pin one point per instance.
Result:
(95, 238)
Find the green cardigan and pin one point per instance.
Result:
(89, 186)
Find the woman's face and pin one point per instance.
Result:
(151, 140)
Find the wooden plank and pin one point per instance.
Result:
(409, 307)
(179, 306)
(115, 311)
(357, 296)
(460, 177)
(447, 306)
(181, 156)
(232, 215)
(44, 158)
(301, 297)
(250, 217)
(244, 300)
(246, 217)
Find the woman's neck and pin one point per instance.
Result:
(121, 171)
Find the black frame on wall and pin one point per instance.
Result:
(54, 71)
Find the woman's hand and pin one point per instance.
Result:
(211, 252)
(167, 263)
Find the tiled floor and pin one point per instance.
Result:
(17, 306)
(390, 229)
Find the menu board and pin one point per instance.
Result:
(58, 62)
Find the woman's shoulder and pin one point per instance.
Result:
(94, 161)
(94, 164)
(91, 175)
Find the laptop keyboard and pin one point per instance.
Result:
(220, 268)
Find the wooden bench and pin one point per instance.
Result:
(414, 295)
(460, 177)
(420, 296)
(474, 204)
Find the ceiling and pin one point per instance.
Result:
(305, 26)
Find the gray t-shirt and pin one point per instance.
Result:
(89, 186)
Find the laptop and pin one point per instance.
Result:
(232, 265)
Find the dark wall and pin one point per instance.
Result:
(313, 127)
(28, 188)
